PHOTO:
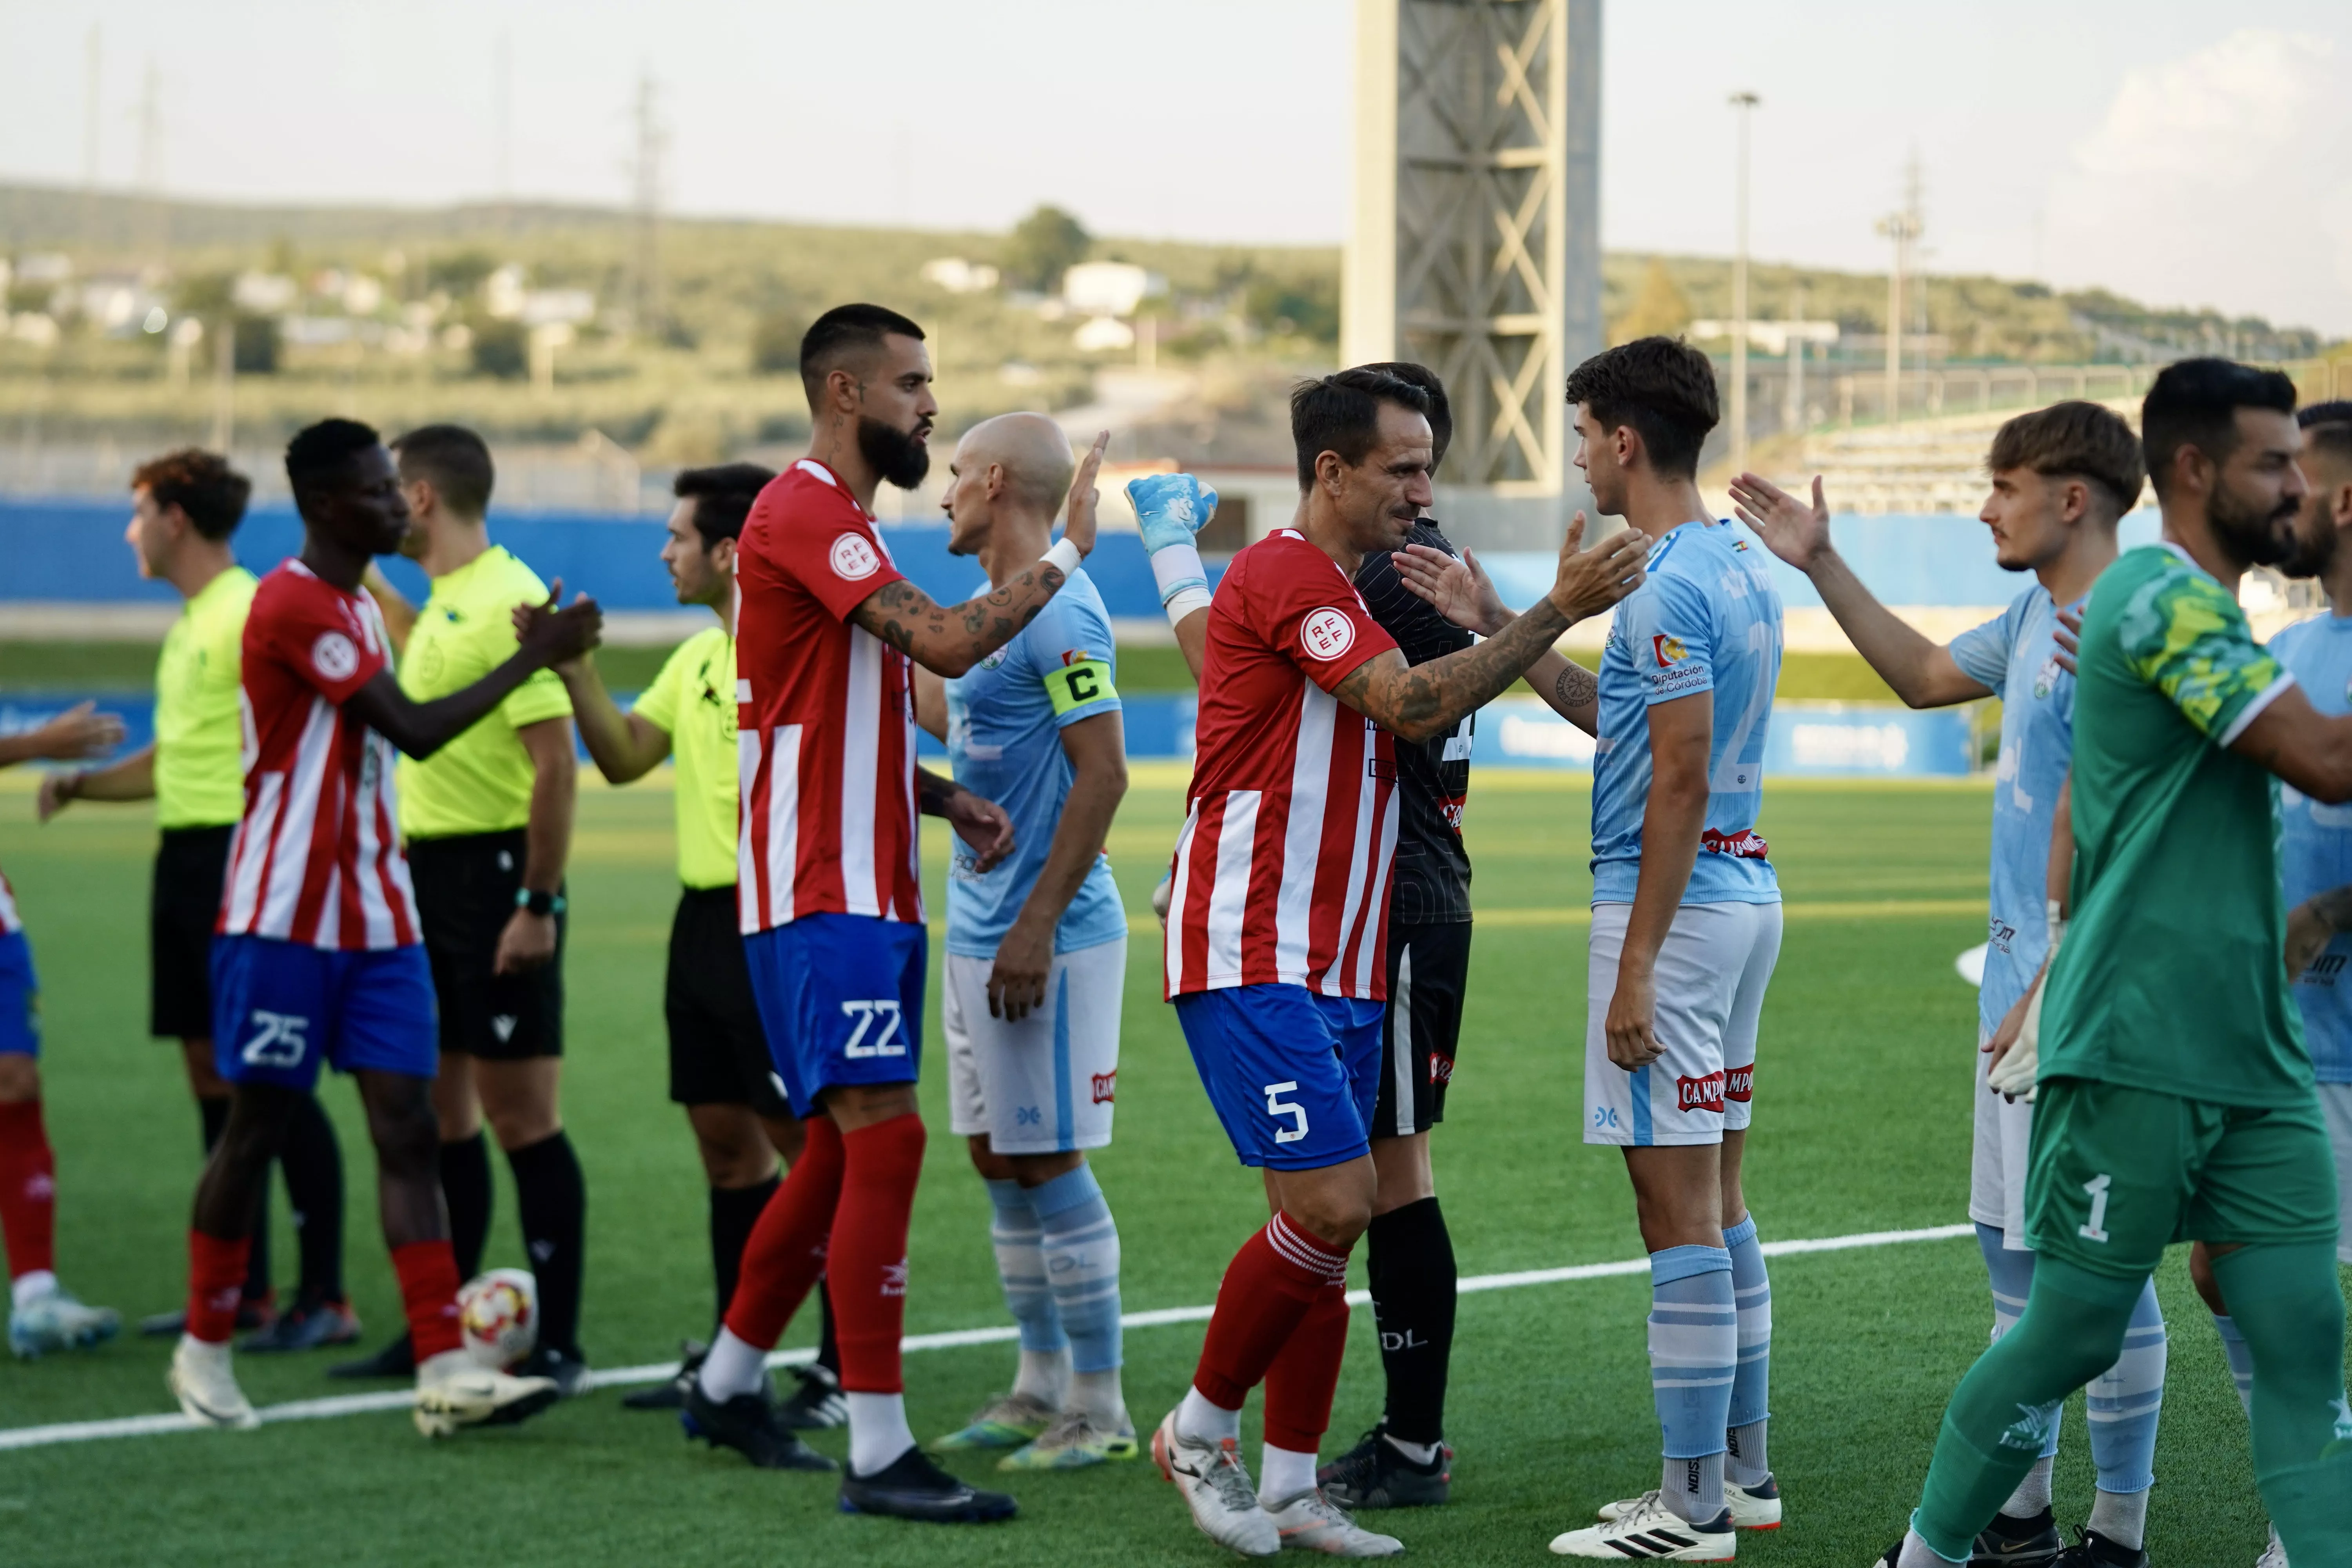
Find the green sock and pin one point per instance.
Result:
(2287, 1303)
(2071, 1330)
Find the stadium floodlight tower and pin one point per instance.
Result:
(1476, 240)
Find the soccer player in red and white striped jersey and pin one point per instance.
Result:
(832, 909)
(1276, 943)
(317, 957)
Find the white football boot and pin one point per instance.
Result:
(454, 1393)
(54, 1320)
(2273, 1555)
(1216, 1487)
(205, 1384)
(1313, 1523)
(1751, 1509)
(1648, 1528)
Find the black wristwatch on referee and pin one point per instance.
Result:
(538, 903)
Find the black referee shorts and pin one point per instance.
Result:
(466, 888)
(1429, 971)
(718, 1051)
(182, 907)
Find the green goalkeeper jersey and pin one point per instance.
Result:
(2171, 977)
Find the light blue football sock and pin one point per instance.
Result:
(2012, 1281)
(1021, 1268)
(2240, 1358)
(2122, 1401)
(1694, 1354)
(1080, 1244)
(1745, 1461)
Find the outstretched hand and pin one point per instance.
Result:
(1590, 581)
(1796, 532)
(81, 731)
(1084, 498)
(982, 823)
(558, 637)
(1169, 508)
(1456, 587)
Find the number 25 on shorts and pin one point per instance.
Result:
(1278, 1107)
(276, 1040)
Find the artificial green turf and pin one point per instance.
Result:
(1862, 1124)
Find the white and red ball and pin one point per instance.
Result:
(498, 1316)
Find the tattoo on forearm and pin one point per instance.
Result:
(1445, 689)
(907, 618)
(1576, 686)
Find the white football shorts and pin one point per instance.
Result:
(1712, 971)
(1997, 1163)
(2335, 1104)
(1044, 1084)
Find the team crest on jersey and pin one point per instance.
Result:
(996, 658)
(854, 559)
(1326, 634)
(1700, 1093)
(2045, 679)
(334, 655)
(1668, 651)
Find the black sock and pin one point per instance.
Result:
(1411, 1265)
(552, 1200)
(213, 1116)
(733, 1212)
(465, 1188)
(828, 1349)
(313, 1163)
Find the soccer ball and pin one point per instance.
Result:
(498, 1316)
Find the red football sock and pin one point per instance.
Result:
(1305, 1375)
(786, 1250)
(1268, 1289)
(216, 1283)
(868, 1278)
(428, 1293)
(29, 1189)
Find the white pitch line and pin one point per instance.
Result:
(954, 1339)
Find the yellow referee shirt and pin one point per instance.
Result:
(199, 727)
(480, 782)
(693, 700)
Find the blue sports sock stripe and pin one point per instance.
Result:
(1751, 1289)
(1065, 1119)
(1694, 1347)
(2011, 1270)
(2124, 1401)
(1080, 1244)
(1021, 1268)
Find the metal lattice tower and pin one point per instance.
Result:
(1477, 248)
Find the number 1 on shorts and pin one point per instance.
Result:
(2097, 1188)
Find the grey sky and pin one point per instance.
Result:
(2160, 148)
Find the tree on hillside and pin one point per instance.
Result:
(1042, 246)
(1660, 310)
(776, 344)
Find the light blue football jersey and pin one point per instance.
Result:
(1004, 742)
(2015, 657)
(1708, 619)
(2315, 844)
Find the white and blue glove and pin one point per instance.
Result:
(1169, 508)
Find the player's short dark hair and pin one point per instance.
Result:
(1441, 413)
(2077, 439)
(319, 451)
(1341, 413)
(2195, 402)
(454, 461)
(1664, 388)
(2338, 412)
(200, 484)
(844, 330)
(722, 496)
(2327, 430)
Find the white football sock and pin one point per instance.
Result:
(1285, 1474)
(2032, 1493)
(439, 1368)
(1917, 1554)
(1419, 1453)
(31, 1286)
(1205, 1423)
(1098, 1396)
(733, 1366)
(879, 1432)
(1044, 1376)
(2121, 1517)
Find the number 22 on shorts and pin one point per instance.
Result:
(2097, 1188)
(1277, 1106)
(888, 1042)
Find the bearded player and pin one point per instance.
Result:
(318, 956)
(2175, 1096)
(1277, 923)
(828, 633)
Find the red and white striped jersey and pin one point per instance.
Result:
(317, 857)
(824, 718)
(9, 920)
(1282, 870)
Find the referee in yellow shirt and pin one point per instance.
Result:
(720, 1069)
(487, 822)
(186, 506)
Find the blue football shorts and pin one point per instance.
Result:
(1292, 1075)
(20, 998)
(281, 1008)
(841, 1000)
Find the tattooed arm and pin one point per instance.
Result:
(948, 639)
(1460, 590)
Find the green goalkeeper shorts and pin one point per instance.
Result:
(2116, 1175)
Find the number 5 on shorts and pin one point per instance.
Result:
(1277, 1106)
